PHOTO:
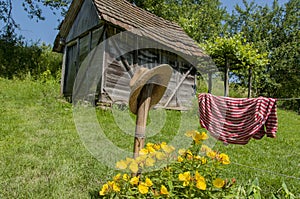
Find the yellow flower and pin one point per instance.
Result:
(148, 182)
(189, 155)
(205, 148)
(143, 188)
(211, 154)
(160, 155)
(199, 137)
(156, 146)
(198, 176)
(117, 177)
(121, 165)
(150, 162)
(150, 149)
(143, 151)
(104, 190)
(163, 144)
(219, 183)
(201, 184)
(203, 160)
(191, 133)
(163, 190)
(224, 159)
(125, 177)
(134, 180)
(179, 159)
(167, 148)
(134, 167)
(197, 157)
(149, 144)
(140, 158)
(116, 187)
(181, 151)
(185, 177)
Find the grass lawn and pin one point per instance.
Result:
(42, 155)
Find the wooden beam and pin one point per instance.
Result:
(226, 78)
(177, 87)
(249, 82)
(209, 82)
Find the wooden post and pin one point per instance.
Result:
(141, 118)
(226, 78)
(249, 82)
(209, 82)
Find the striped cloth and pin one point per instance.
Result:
(236, 121)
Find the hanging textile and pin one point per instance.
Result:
(237, 120)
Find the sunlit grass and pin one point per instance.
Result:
(42, 155)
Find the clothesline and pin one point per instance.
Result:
(283, 99)
(266, 171)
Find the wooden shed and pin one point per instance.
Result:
(89, 23)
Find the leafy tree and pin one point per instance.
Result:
(275, 30)
(201, 19)
(236, 54)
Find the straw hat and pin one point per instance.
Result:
(159, 76)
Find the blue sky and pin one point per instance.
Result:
(46, 31)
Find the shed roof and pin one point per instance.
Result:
(132, 18)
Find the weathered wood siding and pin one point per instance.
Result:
(117, 75)
(86, 19)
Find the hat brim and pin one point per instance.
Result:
(159, 77)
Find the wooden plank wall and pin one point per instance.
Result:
(86, 19)
(117, 77)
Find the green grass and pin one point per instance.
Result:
(42, 155)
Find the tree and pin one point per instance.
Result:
(274, 30)
(32, 7)
(236, 54)
(201, 19)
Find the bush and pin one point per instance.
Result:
(18, 59)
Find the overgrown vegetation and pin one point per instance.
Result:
(19, 59)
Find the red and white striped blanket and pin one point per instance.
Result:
(237, 120)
